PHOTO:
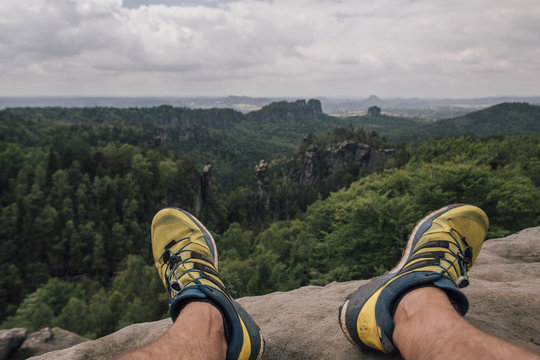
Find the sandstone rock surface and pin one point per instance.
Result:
(10, 341)
(302, 324)
(46, 340)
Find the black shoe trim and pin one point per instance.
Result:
(199, 256)
(428, 255)
(215, 282)
(436, 243)
(205, 268)
(419, 264)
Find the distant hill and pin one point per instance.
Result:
(430, 109)
(503, 119)
(216, 136)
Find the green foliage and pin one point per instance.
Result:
(136, 296)
(41, 307)
(73, 219)
(74, 317)
(507, 119)
(360, 231)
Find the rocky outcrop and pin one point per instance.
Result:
(201, 188)
(302, 324)
(10, 341)
(261, 189)
(319, 163)
(47, 340)
(291, 184)
(315, 106)
(374, 111)
(201, 184)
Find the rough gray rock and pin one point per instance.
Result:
(46, 340)
(111, 346)
(374, 111)
(201, 188)
(10, 341)
(302, 324)
(261, 190)
(318, 162)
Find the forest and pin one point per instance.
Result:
(333, 200)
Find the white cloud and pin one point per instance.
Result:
(280, 47)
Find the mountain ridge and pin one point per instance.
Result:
(501, 119)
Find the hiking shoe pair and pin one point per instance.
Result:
(186, 258)
(441, 249)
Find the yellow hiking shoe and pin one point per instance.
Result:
(186, 258)
(441, 249)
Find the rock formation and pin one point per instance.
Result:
(202, 181)
(374, 111)
(315, 106)
(261, 190)
(10, 341)
(47, 340)
(318, 163)
(302, 324)
(201, 188)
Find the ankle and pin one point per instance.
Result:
(416, 301)
(420, 314)
(213, 314)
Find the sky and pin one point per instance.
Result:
(270, 48)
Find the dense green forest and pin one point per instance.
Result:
(504, 119)
(332, 201)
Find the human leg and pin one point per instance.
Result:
(428, 327)
(186, 258)
(197, 333)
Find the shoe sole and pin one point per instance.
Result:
(418, 229)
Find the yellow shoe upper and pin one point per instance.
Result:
(182, 249)
(448, 240)
(440, 251)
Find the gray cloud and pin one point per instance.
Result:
(272, 48)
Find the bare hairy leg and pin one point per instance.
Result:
(428, 327)
(197, 333)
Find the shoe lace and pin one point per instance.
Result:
(463, 256)
(172, 263)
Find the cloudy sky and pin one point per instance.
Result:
(347, 48)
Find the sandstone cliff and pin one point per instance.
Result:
(288, 185)
(302, 324)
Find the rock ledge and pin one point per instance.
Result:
(302, 324)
